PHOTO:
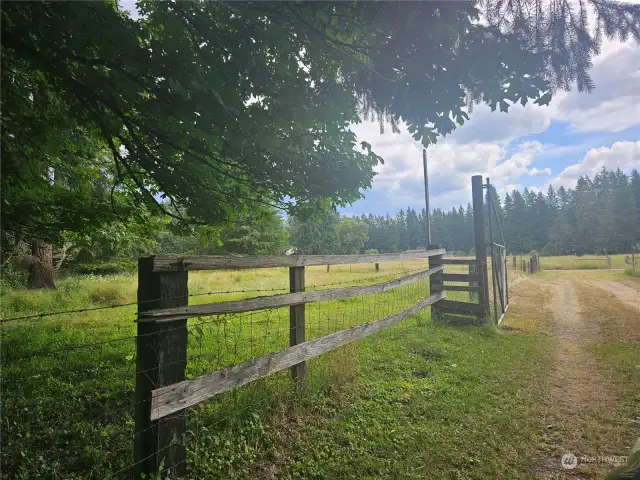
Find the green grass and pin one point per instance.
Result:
(421, 397)
(586, 266)
(433, 401)
(623, 359)
(632, 273)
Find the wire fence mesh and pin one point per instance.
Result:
(68, 377)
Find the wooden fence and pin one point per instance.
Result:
(162, 391)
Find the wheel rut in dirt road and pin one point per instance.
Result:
(628, 295)
(576, 383)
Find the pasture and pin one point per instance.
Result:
(422, 399)
(585, 262)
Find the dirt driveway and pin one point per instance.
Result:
(583, 405)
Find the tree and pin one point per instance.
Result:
(413, 229)
(401, 223)
(623, 212)
(53, 181)
(352, 236)
(315, 235)
(266, 235)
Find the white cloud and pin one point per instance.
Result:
(623, 155)
(614, 105)
(488, 143)
(487, 126)
(451, 166)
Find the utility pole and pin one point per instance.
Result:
(426, 197)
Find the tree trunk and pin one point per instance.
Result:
(41, 266)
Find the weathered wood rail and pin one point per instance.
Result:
(161, 399)
(236, 262)
(283, 300)
(177, 397)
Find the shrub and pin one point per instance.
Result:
(13, 279)
(632, 273)
(371, 251)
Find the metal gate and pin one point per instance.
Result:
(498, 255)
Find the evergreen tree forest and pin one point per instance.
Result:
(600, 215)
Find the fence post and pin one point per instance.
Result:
(377, 267)
(297, 322)
(161, 358)
(480, 245)
(514, 263)
(435, 280)
(609, 262)
(633, 261)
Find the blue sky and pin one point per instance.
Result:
(532, 146)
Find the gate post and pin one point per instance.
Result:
(161, 359)
(480, 243)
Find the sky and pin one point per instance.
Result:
(531, 146)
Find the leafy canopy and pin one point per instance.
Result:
(209, 110)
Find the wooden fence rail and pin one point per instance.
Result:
(236, 262)
(283, 300)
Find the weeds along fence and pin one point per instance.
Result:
(90, 394)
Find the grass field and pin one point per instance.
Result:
(585, 262)
(424, 399)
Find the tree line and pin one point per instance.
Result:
(600, 215)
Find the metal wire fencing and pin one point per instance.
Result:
(68, 379)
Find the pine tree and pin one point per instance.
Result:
(401, 224)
